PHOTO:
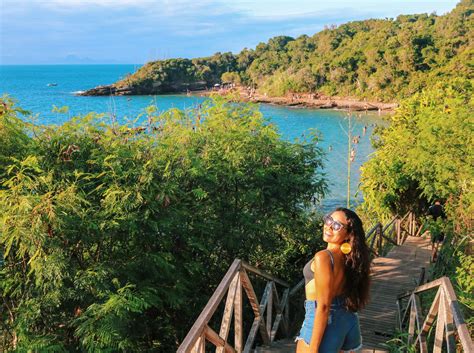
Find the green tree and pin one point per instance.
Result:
(110, 236)
(425, 153)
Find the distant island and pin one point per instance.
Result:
(369, 64)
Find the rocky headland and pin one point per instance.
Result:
(302, 100)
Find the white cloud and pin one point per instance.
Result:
(251, 9)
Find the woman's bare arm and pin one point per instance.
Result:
(323, 278)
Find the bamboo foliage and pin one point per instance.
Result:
(444, 316)
(270, 313)
(104, 228)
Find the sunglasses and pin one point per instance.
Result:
(335, 225)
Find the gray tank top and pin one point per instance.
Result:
(308, 272)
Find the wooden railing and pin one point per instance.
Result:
(266, 321)
(445, 309)
(394, 232)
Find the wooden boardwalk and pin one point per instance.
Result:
(393, 274)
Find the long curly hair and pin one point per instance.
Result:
(357, 264)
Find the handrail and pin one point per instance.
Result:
(390, 223)
(405, 216)
(234, 280)
(237, 278)
(378, 235)
(449, 318)
(369, 233)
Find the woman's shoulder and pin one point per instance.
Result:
(322, 257)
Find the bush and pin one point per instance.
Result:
(425, 154)
(113, 238)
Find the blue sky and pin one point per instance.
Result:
(137, 31)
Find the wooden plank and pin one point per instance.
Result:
(286, 311)
(297, 287)
(411, 325)
(461, 326)
(200, 345)
(419, 230)
(369, 233)
(238, 317)
(211, 306)
(270, 310)
(431, 314)
(279, 312)
(399, 314)
(449, 328)
(399, 232)
(228, 310)
(252, 335)
(381, 315)
(417, 305)
(264, 274)
(390, 223)
(439, 335)
(388, 239)
(258, 310)
(218, 341)
(250, 293)
(409, 305)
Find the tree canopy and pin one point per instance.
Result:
(385, 60)
(110, 236)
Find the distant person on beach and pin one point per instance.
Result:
(336, 287)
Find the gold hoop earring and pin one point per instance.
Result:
(346, 248)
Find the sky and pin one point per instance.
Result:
(137, 31)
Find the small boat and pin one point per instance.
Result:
(52, 84)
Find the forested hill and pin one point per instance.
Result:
(384, 60)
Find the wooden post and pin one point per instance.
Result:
(216, 340)
(399, 231)
(200, 345)
(439, 335)
(238, 328)
(411, 325)
(417, 304)
(228, 310)
(379, 236)
(449, 328)
(269, 311)
(286, 311)
(409, 223)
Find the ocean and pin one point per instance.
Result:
(38, 88)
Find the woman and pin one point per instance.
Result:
(336, 286)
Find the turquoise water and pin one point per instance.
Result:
(29, 86)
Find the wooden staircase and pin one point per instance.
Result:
(397, 272)
(401, 256)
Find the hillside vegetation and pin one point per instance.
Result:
(383, 60)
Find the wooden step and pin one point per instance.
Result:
(396, 273)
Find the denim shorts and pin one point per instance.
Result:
(342, 331)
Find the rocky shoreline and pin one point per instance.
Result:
(302, 100)
(310, 100)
